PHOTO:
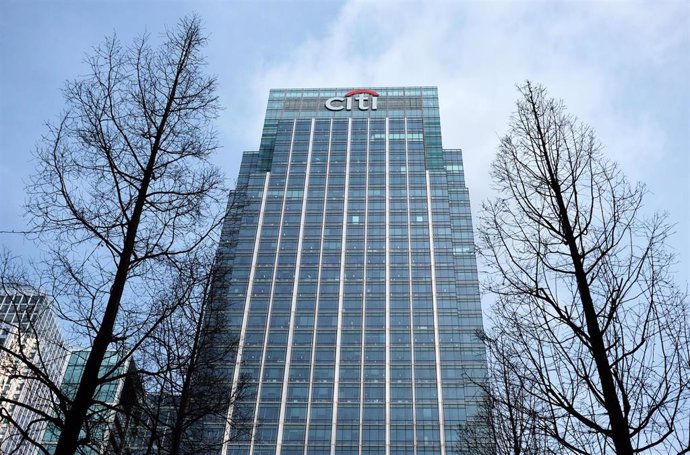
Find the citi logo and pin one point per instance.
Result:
(366, 99)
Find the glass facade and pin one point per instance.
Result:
(106, 431)
(28, 331)
(347, 269)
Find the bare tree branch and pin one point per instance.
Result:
(589, 322)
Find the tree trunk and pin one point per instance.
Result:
(619, 424)
(76, 415)
(185, 397)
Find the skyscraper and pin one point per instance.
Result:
(347, 269)
(29, 337)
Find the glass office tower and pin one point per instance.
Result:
(347, 270)
(29, 335)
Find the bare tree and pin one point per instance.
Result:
(586, 299)
(123, 193)
(508, 421)
(178, 368)
(32, 354)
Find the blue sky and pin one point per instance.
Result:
(623, 67)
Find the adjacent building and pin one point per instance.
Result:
(29, 337)
(347, 269)
(111, 423)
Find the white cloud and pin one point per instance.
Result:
(592, 55)
(476, 54)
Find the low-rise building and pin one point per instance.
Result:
(111, 420)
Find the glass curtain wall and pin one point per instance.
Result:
(350, 279)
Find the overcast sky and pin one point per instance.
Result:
(623, 67)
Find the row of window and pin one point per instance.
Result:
(371, 355)
(346, 434)
(318, 449)
(379, 114)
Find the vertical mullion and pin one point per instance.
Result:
(270, 301)
(336, 374)
(388, 296)
(439, 388)
(293, 306)
(318, 275)
(311, 363)
(245, 317)
(411, 300)
(364, 291)
(341, 290)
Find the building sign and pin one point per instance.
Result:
(366, 99)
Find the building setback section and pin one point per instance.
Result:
(346, 268)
